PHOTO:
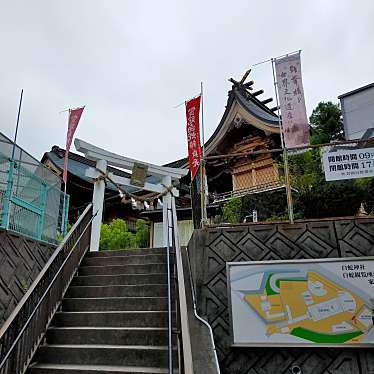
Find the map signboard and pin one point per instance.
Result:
(348, 164)
(326, 302)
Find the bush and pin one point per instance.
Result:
(117, 236)
(142, 234)
(267, 204)
(316, 198)
(232, 210)
(330, 199)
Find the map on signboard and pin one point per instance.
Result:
(308, 305)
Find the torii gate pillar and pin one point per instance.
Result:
(98, 203)
(166, 213)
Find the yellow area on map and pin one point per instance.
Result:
(312, 308)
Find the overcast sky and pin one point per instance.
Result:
(132, 62)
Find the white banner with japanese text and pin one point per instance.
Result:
(292, 102)
(348, 164)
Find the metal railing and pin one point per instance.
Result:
(198, 317)
(30, 203)
(176, 294)
(23, 331)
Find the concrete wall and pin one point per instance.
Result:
(21, 260)
(185, 232)
(211, 248)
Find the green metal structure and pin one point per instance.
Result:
(30, 203)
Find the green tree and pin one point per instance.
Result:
(314, 197)
(327, 123)
(231, 210)
(116, 236)
(142, 234)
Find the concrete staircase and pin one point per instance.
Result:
(113, 318)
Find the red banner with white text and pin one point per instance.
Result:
(74, 117)
(193, 134)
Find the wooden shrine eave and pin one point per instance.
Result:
(243, 108)
(238, 113)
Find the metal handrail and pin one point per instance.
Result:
(182, 316)
(23, 331)
(181, 292)
(198, 317)
(169, 282)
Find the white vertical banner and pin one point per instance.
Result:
(292, 102)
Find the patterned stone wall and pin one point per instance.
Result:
(21, 260)
(211, 248)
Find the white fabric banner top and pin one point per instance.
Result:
(292, 101)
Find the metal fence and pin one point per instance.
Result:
(288, 184)
(31, 200)
(25, 328)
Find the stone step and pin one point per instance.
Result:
(125, 260)
(115, 304)
(111, 319)
(126, 252)
(129, 355)
(92, 369)
(117, 291)
(124, 279)
(108, 336)
(123, 269)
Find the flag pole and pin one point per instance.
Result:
(16, 131)
(63, 228)
(202, 119)
(63, 212)
(285, 153)
(202, 162)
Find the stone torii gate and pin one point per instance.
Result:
(104, 158)
(167, 176)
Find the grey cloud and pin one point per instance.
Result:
(131, 62)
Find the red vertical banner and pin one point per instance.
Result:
(193, 134)
(74, 117)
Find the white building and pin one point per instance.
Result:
(358, 111)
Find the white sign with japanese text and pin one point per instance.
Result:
(291, 99)
(319, 302)
(348, 164)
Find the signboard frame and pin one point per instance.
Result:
(282, 344)
(139, 174)
(349, 164)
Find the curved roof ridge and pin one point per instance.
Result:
(263, 118)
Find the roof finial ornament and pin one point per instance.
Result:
(245, 76)
(246, 86)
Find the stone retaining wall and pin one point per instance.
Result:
(211, 248)
(21, 260)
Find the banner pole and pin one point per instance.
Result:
(285, 154)
(202, 120)
(16, 131)
(63, 223)
(202, 162)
